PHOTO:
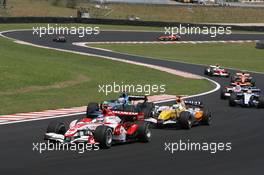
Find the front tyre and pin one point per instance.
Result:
(185, 120)
(104, 136)
(56, 127)
(232, 100)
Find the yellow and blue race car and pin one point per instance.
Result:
(185, 114)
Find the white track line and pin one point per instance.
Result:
(169, 42)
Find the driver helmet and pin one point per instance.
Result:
(121, 100)
(178, 100)
(104, 105)
(249, 91)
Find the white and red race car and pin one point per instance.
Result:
(103, 128)
(169, 38)
(216, 71)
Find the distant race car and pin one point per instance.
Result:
(102, 127)
(193, 114)
(60, 39)
(243, 78)
(246, 99)
(228, 90)
(125, 105)
(216, 71)
(169, 38)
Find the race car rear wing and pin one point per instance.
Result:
(240, 73)
(194, 103)
(244, 89)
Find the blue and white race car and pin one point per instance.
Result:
(247, 99)
(226, 91)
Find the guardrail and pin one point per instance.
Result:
(115, 22)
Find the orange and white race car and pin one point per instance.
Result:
(242, 79)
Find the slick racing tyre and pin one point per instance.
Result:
(222, 93)
(253, 83)
(91, 108)
(56, 127)
(232, 100)
(143, 132)
(185, 120)
(261, 102)
(205, 72)
(104, 136)
(146, 108)
(207, 116)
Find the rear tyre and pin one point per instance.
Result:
(56, 127)
(207, 116)
(261, 102)
(253, 83)
(146, 108)
(185, 120)
(104, 136)
(205, 72)
(91, 108)
(143, 133)
(222, 93)
(232, 100)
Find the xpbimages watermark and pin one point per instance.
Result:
(183, 146)
(145, 89)
(41, 147)
(212, 31)
(63, 30)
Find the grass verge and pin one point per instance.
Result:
(34, 79)
(241, 56)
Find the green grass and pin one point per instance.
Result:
(240, 56)
(34, 79)
(195, 14)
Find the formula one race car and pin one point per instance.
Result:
(190, 115)
(104, 129)
(124, 105)
(246, 99)
(243, 78)
(216, 71)
(169, 38)
(228, 90)
(61, 39)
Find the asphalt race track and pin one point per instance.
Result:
(243, 127)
